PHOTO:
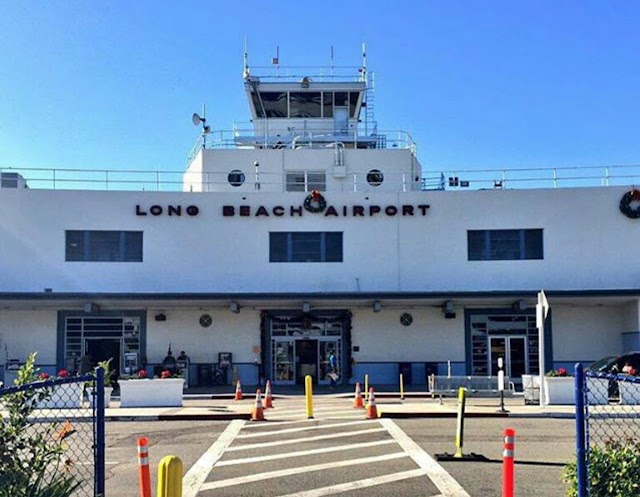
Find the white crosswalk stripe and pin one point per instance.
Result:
(288, 425)
(304, 469)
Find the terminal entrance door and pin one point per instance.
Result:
(306, 360)
(513, 349)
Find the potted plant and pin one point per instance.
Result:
(142, 391)
(559, 387)
(65, 396)
(109, 373)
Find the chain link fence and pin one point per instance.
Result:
(52, 434)
(608, 433)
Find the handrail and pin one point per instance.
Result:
(458, 180)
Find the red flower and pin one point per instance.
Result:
(44, 376)
(142, 374)
(562, 372)
(63, 373)
(165, 374)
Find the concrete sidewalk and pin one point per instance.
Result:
(223, 407)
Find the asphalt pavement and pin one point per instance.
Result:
(339, 451)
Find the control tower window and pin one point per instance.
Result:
(305, 104)
(306, 181)
(353, 103)
(327, 104)
(342, 99)
(275, 103)
(257, 105)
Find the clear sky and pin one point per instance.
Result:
(477, 83)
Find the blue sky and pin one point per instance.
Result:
(478, 84)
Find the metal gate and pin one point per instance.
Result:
(67, 414)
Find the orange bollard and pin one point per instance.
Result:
(357, 401)
(372, 411)
(144, 477)
(268, 401)
(238, 395)
(508, 462)
(258, 414)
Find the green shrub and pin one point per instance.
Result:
(30, 459)
(614, 471)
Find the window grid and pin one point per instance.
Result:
(103, 246)
(505, 245)
(305, 246)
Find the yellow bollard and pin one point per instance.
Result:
(170, 477)
(366, 387)
(308, 391)
(401, 387)
(462, 398)
(234, 377)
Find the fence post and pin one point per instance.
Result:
(581, 452)
(100, 432)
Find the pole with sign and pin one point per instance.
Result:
(542, 309)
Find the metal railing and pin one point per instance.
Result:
(311, 137)
(67, 417)
(441, 385)
(607, 433)
(169, 180)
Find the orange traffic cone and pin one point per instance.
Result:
(258, 414)
(372, 411)
(238, 391)
(357, 401)
(268, 401)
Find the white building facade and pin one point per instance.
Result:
(311, 233)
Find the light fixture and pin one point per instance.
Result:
(197, 121)
(306, 307)
(234, 307)
(377, 306)
(91, 308)
(519, 306)
(160, 317)
(448, 310)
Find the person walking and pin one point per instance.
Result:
(333, 369)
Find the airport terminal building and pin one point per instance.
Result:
(313, 231)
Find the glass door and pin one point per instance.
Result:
(283, 362)
(513, 350)
(325, 347)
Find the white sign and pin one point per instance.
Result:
(542, 309)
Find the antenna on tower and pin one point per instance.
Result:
(332, 63)
(276, 60)
(245, 57)
(364, 62)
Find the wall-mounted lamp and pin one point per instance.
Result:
(448, 310)
(306, 307)
(377, 306)
(160, 317)
(234, 307)
(519, 306)
(91, 308)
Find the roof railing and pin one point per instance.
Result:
(454, 180)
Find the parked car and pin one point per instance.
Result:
(616, 365)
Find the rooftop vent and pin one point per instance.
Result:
(12, 180)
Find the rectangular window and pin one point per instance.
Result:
(327, 104)
(504, 245)
(305, 104)
(306, 181)
(103, 246)
(305, 246)
(275, 103)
